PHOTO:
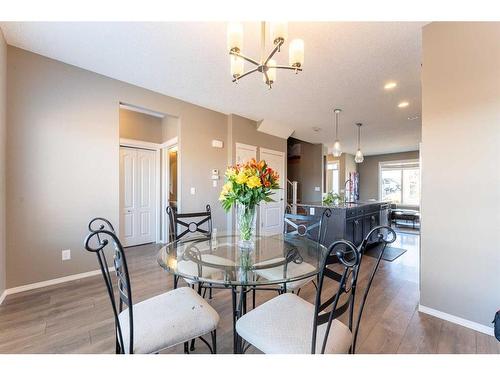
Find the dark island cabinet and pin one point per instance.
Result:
(352, 222)
(354, 230)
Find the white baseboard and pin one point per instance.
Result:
(457, 320)
(41, 284)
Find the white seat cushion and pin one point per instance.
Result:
(284, 325)
(189, 267)
(293, 270)
(168, 319)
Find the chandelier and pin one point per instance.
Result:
(266, 65)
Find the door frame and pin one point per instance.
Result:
(156, 147)
(282, 179)
(164, 147)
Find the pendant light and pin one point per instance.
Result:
(337, 151)
(359, 155)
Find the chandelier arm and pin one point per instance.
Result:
(267, 78)
(245, 74)
(287, 67)
(250, 60)
(275, 49)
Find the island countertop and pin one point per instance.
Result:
(340, 206)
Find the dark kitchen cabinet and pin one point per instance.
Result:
(370, 221)
(358, 230)
(354, 222)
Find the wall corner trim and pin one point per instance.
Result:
(457, 320)
(42, 284)
(2, 296)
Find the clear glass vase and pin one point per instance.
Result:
(245, 217)
(246, 261)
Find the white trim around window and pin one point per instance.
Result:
(394, 162)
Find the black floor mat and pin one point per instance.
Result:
(390, 253)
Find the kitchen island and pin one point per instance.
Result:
(349, 221)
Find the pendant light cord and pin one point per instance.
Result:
(359, 134)
(336, 125)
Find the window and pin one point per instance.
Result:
(400, 182)
(332, 177)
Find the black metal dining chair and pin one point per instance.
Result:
(287, 324)
(154, 324)
(185, 224)
(300, 225)
(192, 222)
(307, 225)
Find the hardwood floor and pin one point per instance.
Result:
(75, 317)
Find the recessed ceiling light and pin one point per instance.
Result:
(411, 118)
(403, 104)
(316, 129)
(390, 85)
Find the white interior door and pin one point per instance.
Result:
(245, 152)
(137, 196)
(271, 214)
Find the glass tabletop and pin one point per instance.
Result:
(277, 259)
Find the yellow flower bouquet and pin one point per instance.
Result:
(246, 186)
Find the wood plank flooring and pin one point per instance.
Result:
(75, 317)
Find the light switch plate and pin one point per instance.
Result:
(217, 144)
(311, 210)
(214, 183)
(66, 254)
(317, 188)
(192, 191)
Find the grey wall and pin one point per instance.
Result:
(346, 165)
(63, 160)
(349, 166)
(143, 127)
(460, 253)
(368, 172)
(3, 128)
(243, 130)
(140, 126)
(308, 172)
(170, 127)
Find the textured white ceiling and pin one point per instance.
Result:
(346, 66)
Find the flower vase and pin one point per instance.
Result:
(246, 255)
(245, 216)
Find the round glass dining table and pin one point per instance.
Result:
(275, 262)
